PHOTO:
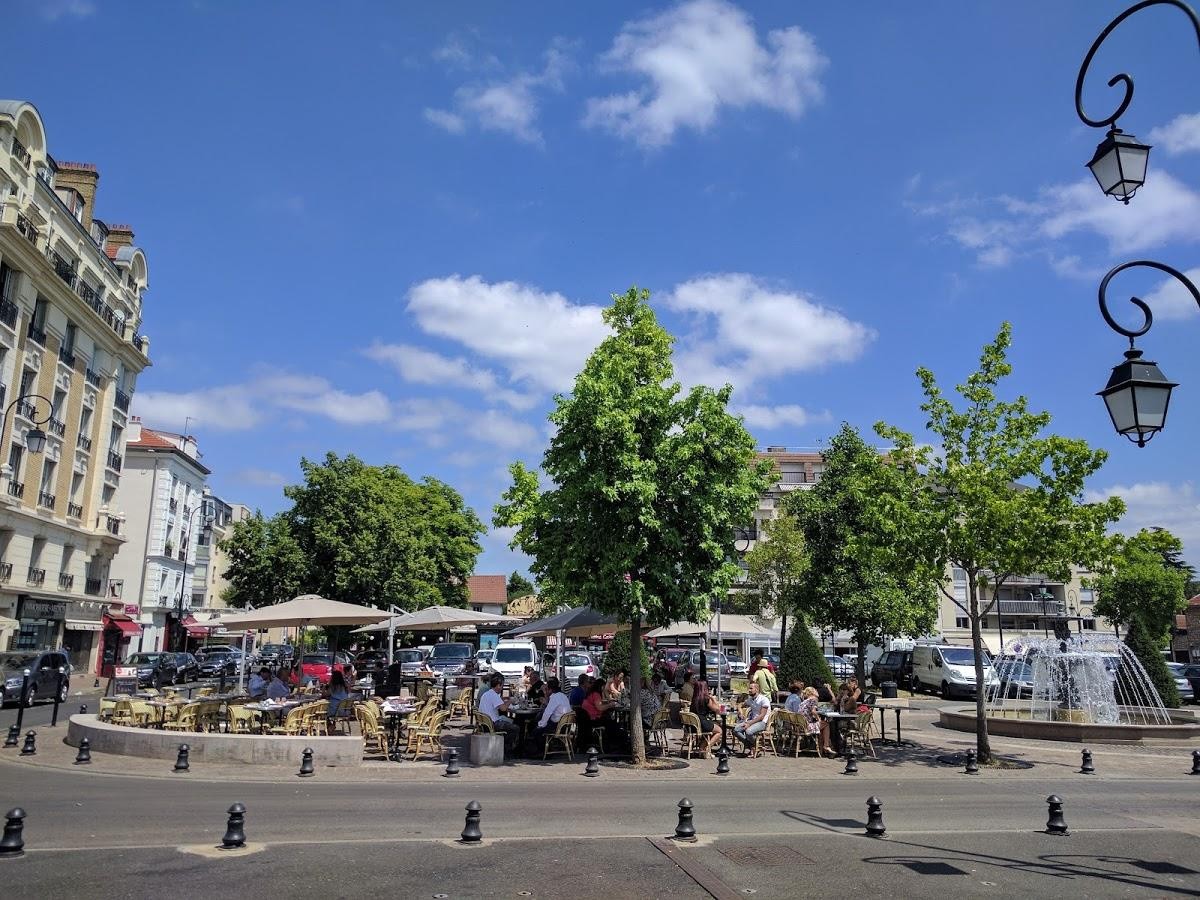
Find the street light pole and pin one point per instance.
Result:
(183, 580)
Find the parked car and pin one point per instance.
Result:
(737, 665)
(841, 667)
(1016, 678)
(216, 660)
(576, 663)
(409, 660)
(187, 666)
(894, 665)
(322, 665)
(715, 663)
(454, 658)
(950, 669)
(43, 666)
(275, 654)
(512, 657)
(154, 669)
(668, 659)
(369, 662)
(483, 660)
(1179, 672)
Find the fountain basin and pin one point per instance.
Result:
(1020, 723)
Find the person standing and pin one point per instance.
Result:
(767, 685)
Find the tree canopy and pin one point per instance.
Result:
(1144, 579)
(266, 564)
(519, 586)
(646, 485)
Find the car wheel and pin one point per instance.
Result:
(63, 692)
(946, 695)
(30, 696)
(916, 685)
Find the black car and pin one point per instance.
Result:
(43, 666)
(187, 667)
(370, 661)
(154, 669)
(217, 660)
(895, 665)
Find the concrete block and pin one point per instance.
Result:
(487, 749)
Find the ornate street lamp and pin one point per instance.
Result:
(35, 438)
(1119, 164)
(1138, 393)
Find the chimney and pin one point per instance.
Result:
(83, 177)
(118, 236)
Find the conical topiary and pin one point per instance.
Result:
(803, 659)
(618, 656)
(1151, 658)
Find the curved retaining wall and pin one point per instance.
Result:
(253, 749)
(961, 719)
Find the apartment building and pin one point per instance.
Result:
(208, 579)
(163, 495)
(71, 292)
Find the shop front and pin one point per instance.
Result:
(81, 635)
(39, 623)
(117, 630)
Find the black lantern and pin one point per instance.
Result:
(35, 440)
(1137, 395)
(1120, 164)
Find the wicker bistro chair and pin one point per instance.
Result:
(858, 733)
(187, 720)
(691, 738)
(108, 706)
(657, 734)
(316, 718)
(293, 722)
(374, 735)
(463, 704)
(765, 739)
(483, 723)
(430, 734)
(122, 713)
(339, 716)
(244, 721)
(797, 734)
(564, 734)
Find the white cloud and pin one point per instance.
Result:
(1180, 135)
(790, 415)
(499, 430)
(53, 10)
(421, 366)
(228, 408)
(694, 60)
(426, 414)
(309, 393)
(259, 477)
(540, 337)
(750, 331)
(451, 122)
(1170, 300)
(1159, 504)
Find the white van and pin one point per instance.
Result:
(949, 669)
(511, 658)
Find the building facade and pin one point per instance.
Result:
(208, 579)
(163, 495)
(488, 593)
(71, 292)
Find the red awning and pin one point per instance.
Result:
(196, 631)
(124, 624)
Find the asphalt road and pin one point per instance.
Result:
(81, 692)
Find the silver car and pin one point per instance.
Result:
(483, 660)
(579, 662)
(1182, 684)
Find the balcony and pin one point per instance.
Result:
(36, 334)
(66, 357)
(182, 555)
(5, 572)
(93, 378)
(1031, 608)
(74, 510)
(121, 401)
(92, 587)
(114, 461)
(19, 151)
(46, 499)
(66, 582)
(36, 576)
(112, 525)
(57, 427)
(26, 409)
(84, 443)
(8, 313)
(26, 228)
(62, 268)
(16, 489)
(139, 341)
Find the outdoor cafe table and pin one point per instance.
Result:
(394, 715)
(883, 738)
(836, 720)
(278, 709)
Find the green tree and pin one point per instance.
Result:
(802, 658)
(647, 485)
(266, 564)
(1148, 651)
(868, 571)
(1001, 498)
(617, 657)
(373, 535)
(519, 586)
(777, 566)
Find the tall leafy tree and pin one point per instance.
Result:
(266, 564)
(646, 486)
(1001, 497)
(519, 586)
(777, 566)
(869, 571)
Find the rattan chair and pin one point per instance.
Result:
(765, 739)
(428, 735)
(692, 736)
(293, 722)
(564, 734)
(657, 733)
(484, 723)
(188, 719)
(858, 733)
(375, 737)
(244, 721)
(463, 704)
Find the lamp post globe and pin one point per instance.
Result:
(1137, 396)
(35, 440)
(1119, 165)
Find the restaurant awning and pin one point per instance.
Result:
(731, 624)
(77, 625)
(123, 623)
(580, 621)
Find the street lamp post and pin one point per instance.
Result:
(207, 525)
(741, 544)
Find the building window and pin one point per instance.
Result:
(1089, 624)
(1087, 596)
(9, 279)
(68, 342)
(28, 378)
(962, 622)
(16, 454)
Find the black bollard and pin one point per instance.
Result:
(84, 756)
(1056, 824)
(471, 833)
(58, 685)
(851, 763)
(13, 844)
(235, 828)
(30, 747)
(14, 735)
(685, 828)
(592, 769)
(722, 761)
(306, 763)
(1087, 768)
(1195, 762)
(83, 709)
(972, 764)
(875, 817)
(21, 700)
(451, 763)
(181, 761)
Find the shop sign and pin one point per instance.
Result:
(131, 609)
(42, 609)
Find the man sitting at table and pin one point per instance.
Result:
(687, 690)
(257, 688)
(494, 706)
(536, 692)
(756, 716)
(277, 690)
(557, 706)
(580, 691)
(661, 689)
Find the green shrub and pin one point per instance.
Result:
(802, 658)
(1143, 646)
(618, 656)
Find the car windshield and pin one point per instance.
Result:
(451, 651)
(317, 659)
(576, 659)
(407, 656)
(712, 657)
(144, 659)
(17, 660)
(962, 656)
(1017, 669)
(513, 655)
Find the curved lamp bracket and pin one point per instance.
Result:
(1148, 316)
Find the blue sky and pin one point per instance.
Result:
(388, 229)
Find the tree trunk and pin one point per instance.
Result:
(637, 743)
(782, 639)
(860, 665)
(983, 748)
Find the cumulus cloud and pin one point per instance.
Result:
(786, 415)
(1170, 299)
(421, 366)
(1159, 504)
(696, 59)
(446, 120)
(1180, 135)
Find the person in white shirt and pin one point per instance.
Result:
(277, 690)
(257, 688)
(492, 705)
(756, 717)
(557, 705)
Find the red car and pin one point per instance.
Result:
(668, 659)
(322, 665)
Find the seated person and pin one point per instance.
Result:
(526, 679)
(495, 707)
(849, 696)
(615, 687)
(708, 710)
(277, 690)
(825, 693)
(755, 722)
(257, 688)
(661, 689)
(580, 691)
(649, 702)
(556, 707)
(595, 712)
(813, 722)
(795, 698)
(688, 689)
(536, 692)
(336, 693)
